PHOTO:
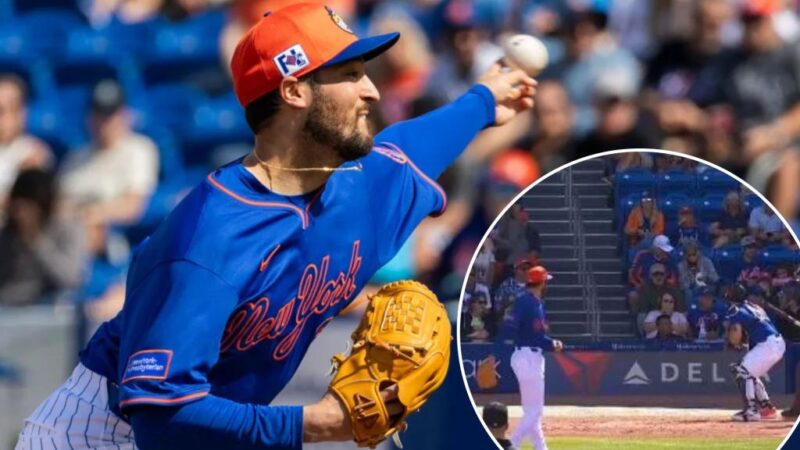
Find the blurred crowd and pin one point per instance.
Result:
(107, 119)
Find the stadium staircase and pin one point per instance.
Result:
(585, 300)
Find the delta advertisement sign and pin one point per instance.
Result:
(613, 373)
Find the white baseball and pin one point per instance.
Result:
(527, 53)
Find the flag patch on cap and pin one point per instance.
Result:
(291, 60)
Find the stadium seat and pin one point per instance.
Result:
(216, 122)
(775, 256)
(710, 207)
(722, 259)
(676, 181)
(672, 203)
(47, 121)
(171, 106)
(633, 181)
(178, 49)
(752, 201)
(47, 30)
(624, 207)
(713, 181)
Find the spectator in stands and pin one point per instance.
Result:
(484, 265)
(660, 252)
(513, 286)
(468, 51)
(664, 330)
(688, 228)
(679, 78)
(696, 271)
(553, 137)
(112, 179)
(765, 103)
(593, 55)
(18, 150)
(42, 255)
(401, 73)
(495, 416)
(619, 123)
(731, 224)
(766, 226)
(473, 287)
(748, 269)
(666, 307)
(516, 237)
(705, 319)
(788, 300)
(644, 221)
(782, 276)
(647, 298)
(477, 324)
(102, 12)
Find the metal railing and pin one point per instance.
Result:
(586, 281)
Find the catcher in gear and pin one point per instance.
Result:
(403, 341)
(224, 299)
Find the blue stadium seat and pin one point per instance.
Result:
(47, 121)
(723, 258)
(624, 207)
(713, 181)
(216, 122)
(633, 181)
(752, 201)
(775, 256)
(47, 30)
(171, 106)
(676, 181)
(180, 48)
(672, 203)
(710, 207)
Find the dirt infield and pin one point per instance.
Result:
(639, 423)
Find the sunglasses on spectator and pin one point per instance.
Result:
(668, 300)
(660, 274)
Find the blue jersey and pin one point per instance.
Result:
(526, 326)
(224, 299)
(754, 320)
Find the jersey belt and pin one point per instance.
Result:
(534, 349)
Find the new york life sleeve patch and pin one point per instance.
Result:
(148, 364)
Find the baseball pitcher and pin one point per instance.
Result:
(224, 299)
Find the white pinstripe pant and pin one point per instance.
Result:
(76, 416)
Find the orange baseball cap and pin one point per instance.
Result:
(294, 41)
(538, 275)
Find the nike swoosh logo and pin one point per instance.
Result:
(266, 260)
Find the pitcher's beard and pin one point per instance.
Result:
(322, 126)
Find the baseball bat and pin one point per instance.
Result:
(782, 314)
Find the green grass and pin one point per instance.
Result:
(571, 443)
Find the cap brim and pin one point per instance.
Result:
(366, 48)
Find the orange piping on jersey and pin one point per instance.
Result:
(311, 202)
(421, 174)
(222, 188)
(163, 401)
(266, 261)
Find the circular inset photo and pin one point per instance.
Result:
(630, 299)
